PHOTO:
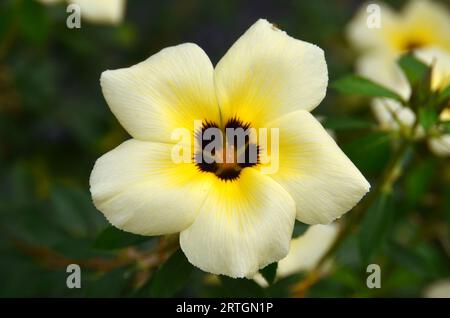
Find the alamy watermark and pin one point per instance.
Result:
(73, 20)
(73, 280)
(373, 20)
(374, 279)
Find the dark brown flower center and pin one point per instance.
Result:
(225, 151)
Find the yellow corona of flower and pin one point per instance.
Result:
(98, 11)
(305, 251)
(421, 23)
(393, 116)
(232, 219)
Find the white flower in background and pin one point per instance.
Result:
(305, 251)
(439, 289)
(421, 23)
(393, 116)
(422, 27)
(232, 219)
(98, 11)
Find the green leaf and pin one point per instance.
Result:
(444, 94)
(427, 117)
(414, 70)
(282, 287)
(34, 23)
(113, 238)
(418, 180)
(357, 85)
(67, 209)
(445, 127)
(299, 229)
(106, 285)
(172, 276)
(375, 226)
(344, 123)
(410, 258)
(447, 207)
(6, 20)
(269, 272)
(369, 152)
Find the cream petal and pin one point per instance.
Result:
(322, 180)
(306, 250)
(440, 146)
(169, 90)
(101, 11)
(267, 73)
(242, 226)
(140, 190)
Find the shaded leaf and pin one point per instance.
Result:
(445, 127)
(410, 258)
(369, 152)
(240, 287)
(68, 209)
(444, 94)
(344, 123)
(34, 23)
(375, 226)
(113, 238)
(282, 287)
(447, 207)
(418, 180)
(172, 276)
(269, 272)
(357, 85)
(427, 117)
(299, 229)
(414, 70)
(109, 284)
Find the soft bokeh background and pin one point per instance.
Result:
(54, 124)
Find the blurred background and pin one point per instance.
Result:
(54, 124)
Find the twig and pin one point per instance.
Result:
(145, 260)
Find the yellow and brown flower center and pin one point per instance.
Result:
(227, 153)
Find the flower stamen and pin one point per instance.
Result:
(234, 152)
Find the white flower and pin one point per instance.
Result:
(421, 23)
(393, 116)
(233, 220)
